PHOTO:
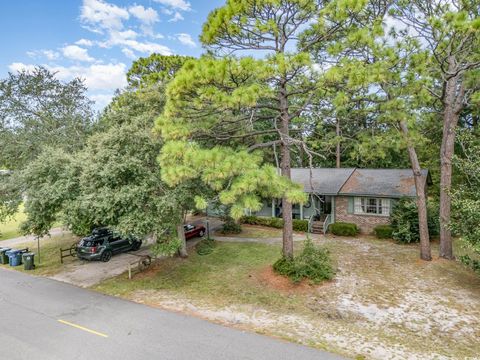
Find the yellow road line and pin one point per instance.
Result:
(83, 328)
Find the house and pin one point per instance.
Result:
(361, 196)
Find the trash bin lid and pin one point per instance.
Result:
(4, 250)
(28, 254)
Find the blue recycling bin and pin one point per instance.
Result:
(14, 257)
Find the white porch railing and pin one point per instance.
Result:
(310, 221)
(328, 221)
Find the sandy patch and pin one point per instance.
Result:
(293, 327)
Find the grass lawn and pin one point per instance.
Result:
(10, 229)
(49, 252)
(384, 302)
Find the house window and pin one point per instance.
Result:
(372, 206)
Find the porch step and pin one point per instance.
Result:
(317, 227)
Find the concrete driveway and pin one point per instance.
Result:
(88, 273)
(44, 319)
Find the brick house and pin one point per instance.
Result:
(361, 196)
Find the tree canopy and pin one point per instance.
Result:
(154, 70)
(38, 110)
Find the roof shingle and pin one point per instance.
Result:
(350, 181)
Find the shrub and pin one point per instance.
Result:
(383, 231)
(344, 229)
(205, 246)
(264, 221)
(300, 225)
(272, 222)
(405, 221)
(470, 262)
(230, 226)
(313, 263)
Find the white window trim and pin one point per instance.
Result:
(359, 208)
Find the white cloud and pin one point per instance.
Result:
(174, 8)
(76, 53)
(127, 39)
(186, 39)
(148, 47)
(129, 53)
(167, 11)
(176, 4)
(49, 54)
(148, 16)
(96, 76)
(176, 17)
(101, 100)
(102, 14)
(84, 42)
(118, 37)
(18, 66)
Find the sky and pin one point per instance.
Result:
(97, 40)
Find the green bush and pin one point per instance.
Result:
(313, 263)
(264, 221)
(344, 229)
(298, 225)
(273, 222)
(230, 226)
(205, 246)
(470, 262)
(405, 221)
(383, 231)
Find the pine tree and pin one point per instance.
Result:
(221, 110)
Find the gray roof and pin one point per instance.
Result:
(381, 182)
(324, 180)
(350, 181)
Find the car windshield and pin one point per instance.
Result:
(189, 227)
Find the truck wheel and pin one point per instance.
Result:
(106, 256)
(201, 233)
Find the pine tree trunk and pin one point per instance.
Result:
(453, 103)
(446, 154)
(285, 168)
(182, 251)
(425, 251)
(337, 152)
(287, 208)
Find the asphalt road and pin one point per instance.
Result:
(45, 319)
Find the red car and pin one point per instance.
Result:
(192, 231)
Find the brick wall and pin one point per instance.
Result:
(366, 223)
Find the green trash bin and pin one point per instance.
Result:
(28, 261)
(3, 256)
